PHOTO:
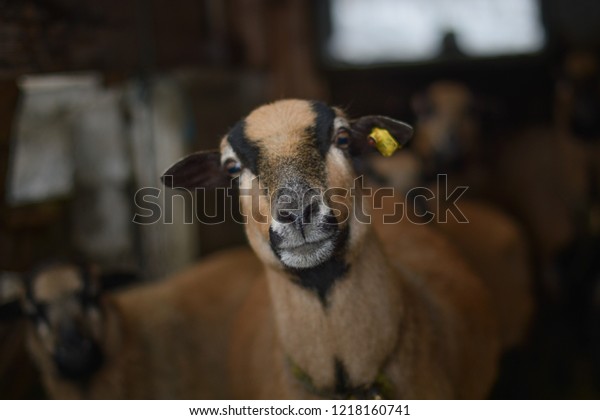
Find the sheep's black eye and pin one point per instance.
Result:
(342, 138)
(233, 167)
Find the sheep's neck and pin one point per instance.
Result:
(353, 332)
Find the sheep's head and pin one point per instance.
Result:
(448, 128)
(61, 302)
(578, 96)
(293, 161)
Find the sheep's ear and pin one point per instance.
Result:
(198, 170)
(362, 128)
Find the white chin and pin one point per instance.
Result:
(309, 255)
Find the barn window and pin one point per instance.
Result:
(383, 31)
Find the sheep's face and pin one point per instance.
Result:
(293, 161)
(291, 154)
(578, 97)
(61, 303)
(447, 125)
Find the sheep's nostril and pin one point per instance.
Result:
(285, 216)
(289, 206)
(309, 211)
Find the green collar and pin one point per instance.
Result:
(380, 389)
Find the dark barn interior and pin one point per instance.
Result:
(97, 99)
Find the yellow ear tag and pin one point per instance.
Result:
(385, 143)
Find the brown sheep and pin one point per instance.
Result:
(166, 340)
(447, 141)
(342, 310)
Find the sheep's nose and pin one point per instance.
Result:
(290, 209)
(77, 356)
(286, 215)
(309, 211)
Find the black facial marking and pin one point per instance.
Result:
(323, 128)
(321, 278)
(243, 148)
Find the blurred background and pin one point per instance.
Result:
(97, 99)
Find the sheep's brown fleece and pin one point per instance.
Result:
(540, 175)
(167, 340)
(494, 244)
(415, 296)
(496, 248)
(498, 251)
